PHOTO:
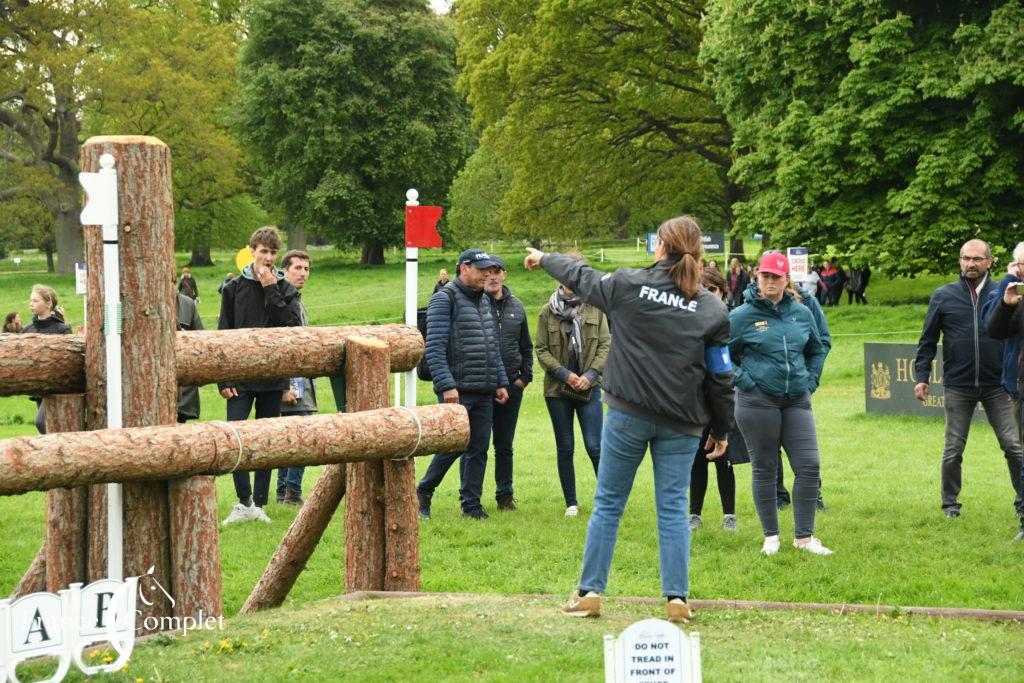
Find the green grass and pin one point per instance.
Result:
(456, 638)
(881, 482)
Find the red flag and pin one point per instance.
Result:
(421, 226)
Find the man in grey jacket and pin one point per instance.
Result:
(300, 396)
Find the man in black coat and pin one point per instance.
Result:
(259, 297)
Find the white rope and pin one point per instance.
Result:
(238, 438)
(419, 436)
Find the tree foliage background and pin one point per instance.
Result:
(887, 131)
(599, 113)
(344, 105)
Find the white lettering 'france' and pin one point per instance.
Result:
(667, 298)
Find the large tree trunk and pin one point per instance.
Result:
(41, 463)
(49, 261)
(67, 510)
(366, 378)
(200, 256)
(296, 236)
(146, 249)
(373, 253)
(69, 234)
(70, 243)
(54, 364)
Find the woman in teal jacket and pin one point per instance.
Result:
(778, 356)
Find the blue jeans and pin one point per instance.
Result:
(474, 459)
(591, 417)
(291, 477)
(268, 404)
(623, 446)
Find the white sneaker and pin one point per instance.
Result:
(813, 546)
(259, 514)
(239, 513)
(572, 511)
(729, 523)
(695, 522)
(771, 545)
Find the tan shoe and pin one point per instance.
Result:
(586, 606)
(679, 611)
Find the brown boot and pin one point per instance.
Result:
(679, 611)
(291, 497)
(587, 606)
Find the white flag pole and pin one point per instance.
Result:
(412, 271)
(102, 210)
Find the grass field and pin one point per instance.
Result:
(881, 483)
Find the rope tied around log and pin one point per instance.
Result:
(419, 435)
(238, 438)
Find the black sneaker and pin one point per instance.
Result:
(820, 504)
(782, 503)
(476, 513)
(1020, 534)
(424, 500)
(507, 503)
(952, 513)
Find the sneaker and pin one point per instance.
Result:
(813, 546)
(771, 545)
(782, 503)
(507, 504)
(476, 513)
(952, 513)
(588, 605)
(679, 610)
(572, 511)
(240, 512)
(424, 505)
(259, 514)
(291, 497)
(1020, 535)
(729, 523)
(695, 522)
(820, 504)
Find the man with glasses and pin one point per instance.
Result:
(972, 371)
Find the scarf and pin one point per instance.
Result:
(568, 311)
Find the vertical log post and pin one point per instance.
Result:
(367, 371)
(146, 237)
(67, 517)
(401, 527)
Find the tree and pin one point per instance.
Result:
(889, 130)
(69, 69)
(599, 109)
(344, 106)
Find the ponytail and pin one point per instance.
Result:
(59, 312)
(681, 240)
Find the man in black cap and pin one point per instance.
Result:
(464, 356)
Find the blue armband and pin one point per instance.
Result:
(717, 359)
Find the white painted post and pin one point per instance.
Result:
(412, 263)
(102, 210)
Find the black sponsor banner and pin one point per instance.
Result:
(889, 382)
(714, 242)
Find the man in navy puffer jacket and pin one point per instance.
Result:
(464, 356)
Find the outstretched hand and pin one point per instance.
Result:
(532, 260)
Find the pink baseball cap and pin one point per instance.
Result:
(776, 264)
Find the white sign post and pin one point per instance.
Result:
(101, 209)
(798, 263)
(412, 273)
(652, 651)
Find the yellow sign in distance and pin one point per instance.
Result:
(243, 258)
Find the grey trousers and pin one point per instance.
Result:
(960, 403)
(768, 423)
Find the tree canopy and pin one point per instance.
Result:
(600, 111)
(344, 106)
(889, 132)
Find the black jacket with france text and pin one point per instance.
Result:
(656, 367)
(244, 302)
(970, 357)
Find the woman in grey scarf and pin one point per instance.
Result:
(572, 345)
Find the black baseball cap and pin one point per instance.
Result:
(478, 258)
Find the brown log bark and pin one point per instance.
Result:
(146, 249)
(401, 527)
(67, 515)
(195, 547)
(97, 545)
(34, 580)
(144, 454)
(366, 374)
(55, 364)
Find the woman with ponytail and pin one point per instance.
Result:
(47, 318)
(667, 377)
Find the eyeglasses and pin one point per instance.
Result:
(974, 259)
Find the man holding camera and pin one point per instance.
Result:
(972, 371)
